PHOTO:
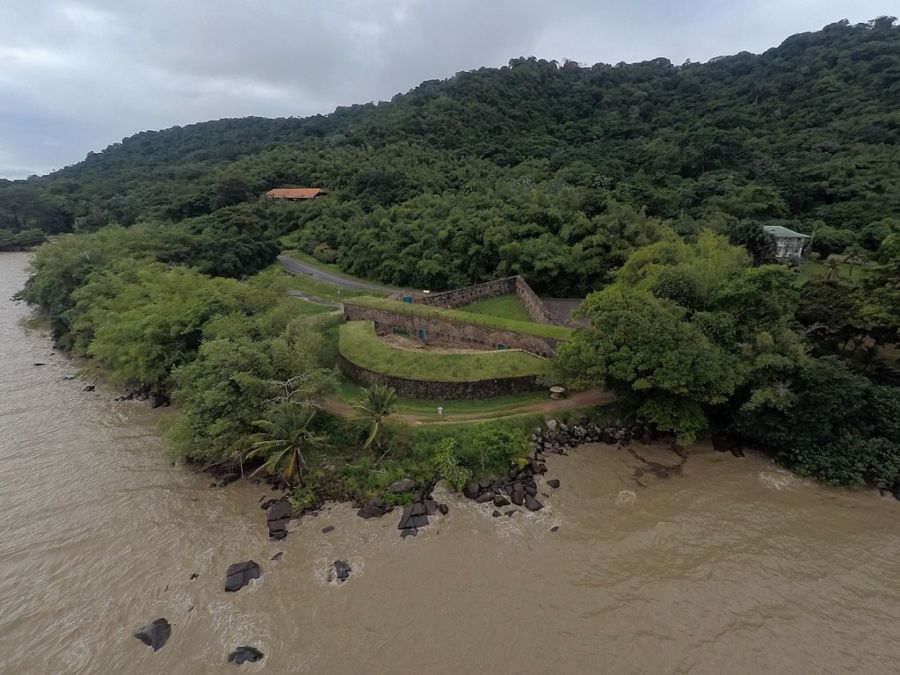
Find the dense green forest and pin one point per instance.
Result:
(554, 171)
(642, 186)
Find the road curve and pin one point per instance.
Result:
(301, 268)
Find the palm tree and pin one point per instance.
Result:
(833, 263)
(855, 256)
(284, 436)
(376, 404)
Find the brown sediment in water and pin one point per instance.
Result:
(710, 565)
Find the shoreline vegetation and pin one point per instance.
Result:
(645, 188)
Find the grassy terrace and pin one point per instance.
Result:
(459, 316)
(359, 345)
(506, 306)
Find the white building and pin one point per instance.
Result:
(788, 244)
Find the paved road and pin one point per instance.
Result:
(301, 268)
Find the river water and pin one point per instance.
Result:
(733, 566)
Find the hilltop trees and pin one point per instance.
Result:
(556, 172)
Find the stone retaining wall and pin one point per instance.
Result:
(442, 332)
(441, 391)
(516, 285)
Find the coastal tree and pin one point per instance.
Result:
(375, 405)
(284, 436)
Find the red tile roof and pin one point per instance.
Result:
(294, 193)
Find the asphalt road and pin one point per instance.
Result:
(305, 269)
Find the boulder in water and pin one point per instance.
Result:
(327, 529)
(340, 570)
(553, 482)
(156, 634)
(242, 654)
(240, 574)
(89, 387)
(532, 504)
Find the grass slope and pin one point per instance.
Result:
(504, 306)
(460, 316)
(359, 345)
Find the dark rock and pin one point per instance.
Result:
(374, 508)
(413, 518)
(278, 515)
(240, 574)
(500, 500)
(38, 363)
(277, 556)
(327, 529)
(430, 507)
(242, 654)
(409, 533)
(279, 510)
(403, 485)
(554, 483)
(194, 576)
(444, 509)
(530, 490)
(340, 570)
(227, 479)
(159, 401)
(471, 490)
(518, 496)
(485, 497)
(485, 484)
(496, 514)
(737, 451)
(266, 504)
(89, 387)
(510, 513)
(532, 504)
(555, 528)
(156, 634)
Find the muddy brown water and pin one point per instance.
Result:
(721, 566)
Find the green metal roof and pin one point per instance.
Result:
(779, 231)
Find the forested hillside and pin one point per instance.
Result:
(554, 171)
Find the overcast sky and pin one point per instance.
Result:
(77, 75)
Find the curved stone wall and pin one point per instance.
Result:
(442, 391)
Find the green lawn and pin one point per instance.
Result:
(504, 306)
(359, 345)
(459, 316)
(812, 268)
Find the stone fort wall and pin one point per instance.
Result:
(443, 332)
(441, 391)
(516, 285)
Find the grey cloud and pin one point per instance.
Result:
(76, 75)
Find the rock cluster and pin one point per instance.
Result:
(416, 513)
(559, 437)
(144, 394)
(519, 485)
